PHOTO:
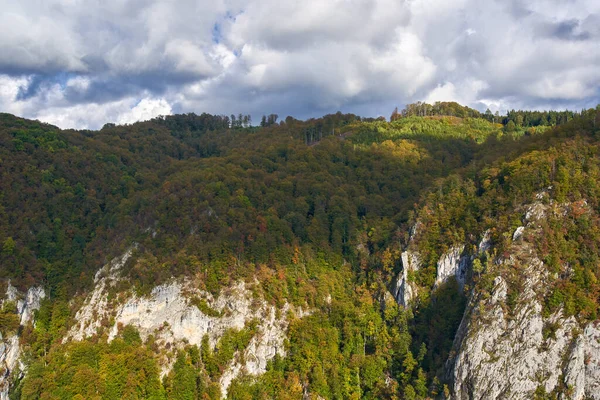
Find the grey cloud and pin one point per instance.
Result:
(564, 30)
(100, 59)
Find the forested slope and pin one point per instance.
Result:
(314, 218)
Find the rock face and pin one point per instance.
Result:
(96, 308)
(10, 349)
(404, 291)
(485, 243)
(268, 343)
(582, 373)
(518, 233)
(504, 354)
(506, 351)
(453, 264)
(169, 314)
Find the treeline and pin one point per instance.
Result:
(420, 109)
(537, 118)
(517, 119)
(193, 122)
(268, 120)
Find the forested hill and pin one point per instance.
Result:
(72, 198)
(69, 196)
(318, 212)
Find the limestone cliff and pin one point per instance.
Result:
(11, 365)
(171, 314)
(507, 347)
(404, 290)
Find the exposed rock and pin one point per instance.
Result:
(169, 314)
(504, 356)
(26, 304)
(96, 308)
(30, 303)
(404, 291)
(592, 361)
(511, 353)
(575, 372)
(511, 350)
(543, 194)
(486, 242)
(267, 343)
(535, 212)
(582, 373)
(452, 264)
(10, 349)
(411, 260)
(415, 230)
(518, 233)
(167, 309)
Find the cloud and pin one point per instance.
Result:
(82, 63)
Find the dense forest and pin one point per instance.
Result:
(309, 209)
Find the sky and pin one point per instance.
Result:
(83, 63)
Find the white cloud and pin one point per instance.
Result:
(467, 92)
(92, 115)
(146, 109)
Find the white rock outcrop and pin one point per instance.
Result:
(582, 373)
(169, 311)
(503, 353)
(404, 291)
(169, 314)
(506, 348)
(10, 352)
(96, 307)
(452, 264)
(10, 348)
(485, 243)
(535, 212)
(264, 346)
(518, 233)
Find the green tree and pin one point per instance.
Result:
(9, 245)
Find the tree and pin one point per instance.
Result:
(519, 121)
(488, 115)
(9, 246)
(510, 127)
(182, 379)
(272, 119)
(477, 266)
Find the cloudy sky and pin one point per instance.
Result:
(82, 63)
